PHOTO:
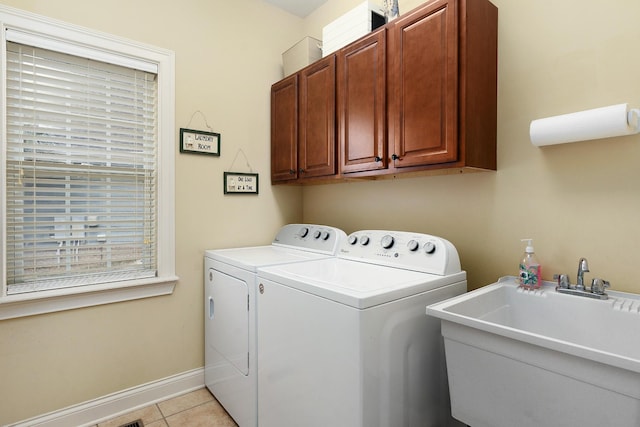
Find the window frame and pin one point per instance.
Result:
(65, 34)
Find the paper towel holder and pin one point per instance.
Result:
(633, 119)
(605, 122)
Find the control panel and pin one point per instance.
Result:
(312, 237)
(413, 251)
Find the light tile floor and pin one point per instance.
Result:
(196, 409)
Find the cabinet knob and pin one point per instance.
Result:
(377, 158)
(394, 157)
(302, 170)
(292, 172)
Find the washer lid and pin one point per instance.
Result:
(355, 283)
(251, 258)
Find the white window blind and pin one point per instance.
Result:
(81, 171)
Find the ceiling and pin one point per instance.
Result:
(300, 8)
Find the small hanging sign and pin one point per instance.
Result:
(240, 183)
(200, 142)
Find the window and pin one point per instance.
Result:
(87, 165)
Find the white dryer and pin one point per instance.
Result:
(345, 342)
(230, 310)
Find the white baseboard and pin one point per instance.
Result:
(103, 408)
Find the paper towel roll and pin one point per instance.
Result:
(598, 123)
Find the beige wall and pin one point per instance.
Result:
(227, 57)
(575, 200)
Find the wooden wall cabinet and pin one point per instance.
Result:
(443, 86)
(284, 130)
(419, 94)
(362, 104)
(303, 127)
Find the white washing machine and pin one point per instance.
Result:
(345, 342)
(230, 310)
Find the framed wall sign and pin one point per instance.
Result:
(200, 142)
(240, 183)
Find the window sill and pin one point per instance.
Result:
(31, 304)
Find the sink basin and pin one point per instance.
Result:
(519, 357)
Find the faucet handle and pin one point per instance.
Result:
(598, 286)
(563, 280)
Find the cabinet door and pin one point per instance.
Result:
(362, 101)
(423, 85)
(317, 109)
(284, 130)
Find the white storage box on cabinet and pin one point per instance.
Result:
(305, 52)
(354, 24)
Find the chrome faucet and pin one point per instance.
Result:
(583, 267)
(597, 289)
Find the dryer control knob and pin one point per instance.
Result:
(317, 234)
(413, 245)
(387, 241)
(429, 247)
(353, 239)
(325, 235)
(304, 231)
(364, 241)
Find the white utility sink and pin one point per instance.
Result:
(540, 358)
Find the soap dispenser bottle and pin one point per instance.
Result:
(530, 276)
